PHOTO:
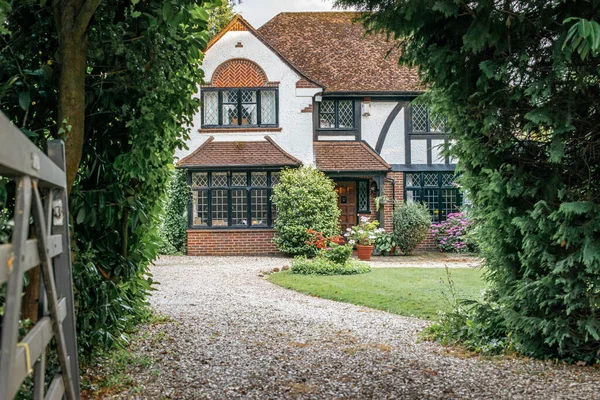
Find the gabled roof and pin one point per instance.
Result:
(331, 48)
(238, 23)
(264, 153)
(345, 156)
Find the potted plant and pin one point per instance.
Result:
(380, 201)
(364, 236)
(386, 244)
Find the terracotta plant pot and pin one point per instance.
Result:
(364, 252)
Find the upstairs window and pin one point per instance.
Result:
(234, 108)
(423, 121)
(336, 114)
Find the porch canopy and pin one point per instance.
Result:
(348, 156)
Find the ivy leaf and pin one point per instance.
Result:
(24, 100)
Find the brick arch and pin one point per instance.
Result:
(239, 72)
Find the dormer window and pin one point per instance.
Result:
(336, 114)
(239, 107)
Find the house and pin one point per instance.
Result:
(307, 88)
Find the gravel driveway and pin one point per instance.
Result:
(233, 334)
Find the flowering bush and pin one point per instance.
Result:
(365, 233)
(454, 234)
(332, 248)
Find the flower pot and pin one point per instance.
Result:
(364, 252)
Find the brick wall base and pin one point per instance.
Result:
(231, 242)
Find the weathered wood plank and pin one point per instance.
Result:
(56, 389)
(32, 257)
(36, 340)
(19, 156)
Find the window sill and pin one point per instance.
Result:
(228, 229)
(228, 130)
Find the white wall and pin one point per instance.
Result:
(296, 134)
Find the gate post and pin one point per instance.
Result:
(63, 268)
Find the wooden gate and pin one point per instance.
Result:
(41, 198)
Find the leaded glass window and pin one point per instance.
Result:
(200, 207)
(435, 189)
(424, 121)
(336, 114)
(259, 179)
(220, 205)
(239, 107)
(239, 207)
(259, 206)
(232, 199)
(199, 179)
(239, 179)
(363, 196)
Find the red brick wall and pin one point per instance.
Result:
(428, 244)
(230, 242)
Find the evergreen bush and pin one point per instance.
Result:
(174, 226)
(306, 200)
(320, 265)
(519, 85)
(411, 223)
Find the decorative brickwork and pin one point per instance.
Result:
(238, 26)
(239, 73)
(231, 242)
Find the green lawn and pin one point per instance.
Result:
(415, 292)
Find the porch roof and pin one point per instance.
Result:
(265, 153)
(347, 156)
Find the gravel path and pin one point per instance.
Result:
(233, 334)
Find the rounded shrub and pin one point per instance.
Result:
(411, 224)
(306, 200)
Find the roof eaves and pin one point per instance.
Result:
(285, 153)
(189, 156)
(368, 147)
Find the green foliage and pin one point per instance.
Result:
(174, 226)
(321, 265)
(385, 242)
(219, 17)
(411, 223)
(306, 200)
(476, 324)
(143, 70)
(520, 85)
(337, 253)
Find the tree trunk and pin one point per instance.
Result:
(29, 307)
(72, 18)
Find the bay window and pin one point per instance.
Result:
(237, 107)
(235, 199)
(436, 189)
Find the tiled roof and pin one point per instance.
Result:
(344, 156)
(239, 154)
(330, 48)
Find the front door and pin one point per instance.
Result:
(347, 203)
